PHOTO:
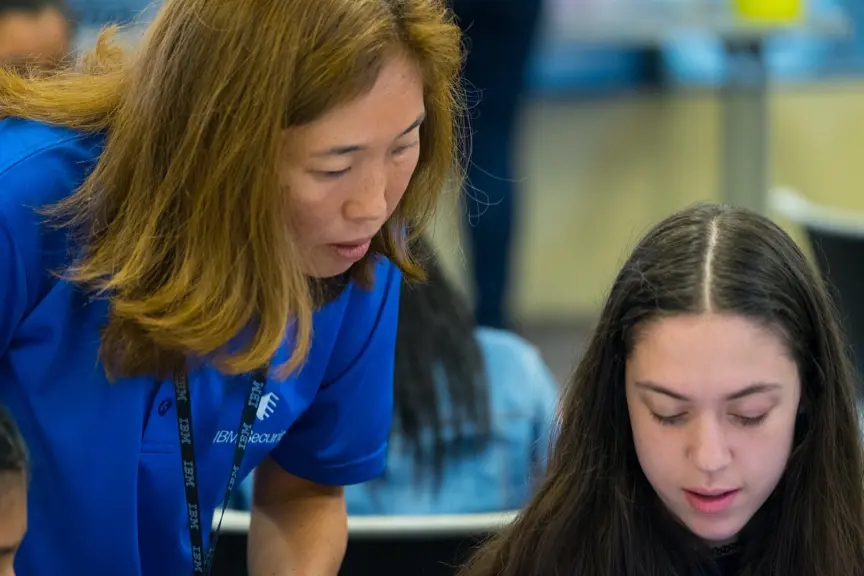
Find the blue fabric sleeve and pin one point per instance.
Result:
(342, 438)
(38, 168)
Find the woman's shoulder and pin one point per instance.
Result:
(357, 300)
(360, 315)
(41, 164)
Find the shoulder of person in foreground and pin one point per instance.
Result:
(520, 385)
(342, 437)
(40, 165)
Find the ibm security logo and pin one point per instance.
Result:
(268, 406)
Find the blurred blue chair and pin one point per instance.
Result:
(574, 70)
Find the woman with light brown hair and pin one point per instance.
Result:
(201, 245)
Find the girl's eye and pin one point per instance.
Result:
(669, 420)
(750, 420)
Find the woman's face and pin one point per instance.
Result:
(347, 171)
(13, 518)
(713, 401)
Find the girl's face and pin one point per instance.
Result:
(713, 401)
(13, 518)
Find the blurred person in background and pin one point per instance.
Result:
(182, 226)
(13, 492)
(474, 410)
(34, 32)
(500, 35)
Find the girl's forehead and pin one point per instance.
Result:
(710, 355)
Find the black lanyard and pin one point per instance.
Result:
(200, 565)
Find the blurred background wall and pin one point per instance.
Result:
(597, 172)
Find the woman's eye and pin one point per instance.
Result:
(669, 420)
(331, 173)
(402, 149)
(750, 420)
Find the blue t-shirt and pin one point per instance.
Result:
(107, 492)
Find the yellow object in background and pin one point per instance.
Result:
(770, 10)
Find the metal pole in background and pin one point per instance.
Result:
(746, 162)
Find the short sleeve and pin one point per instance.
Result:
(13, 287)
(341, 438)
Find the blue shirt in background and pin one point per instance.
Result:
(106, 486)
(523, 395)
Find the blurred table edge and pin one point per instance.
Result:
(237, 522)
